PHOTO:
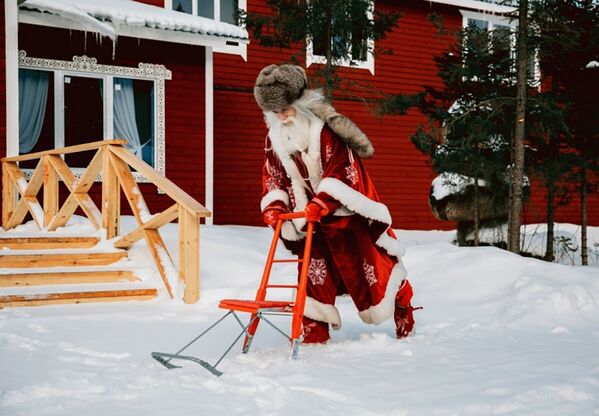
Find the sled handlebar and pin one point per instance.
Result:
(292, 215)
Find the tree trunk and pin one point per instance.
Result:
(549, 254)
(328, 76)
(583, 218)
(476, 228)
(518, 142)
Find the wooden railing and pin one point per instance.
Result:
(113, 162)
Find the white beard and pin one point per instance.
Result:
(294, 136)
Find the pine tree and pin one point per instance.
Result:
(568, 43)
(339, 30)
(471, 119)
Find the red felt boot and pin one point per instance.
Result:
(315, 332)
(404, 317)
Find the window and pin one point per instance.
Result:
(220, 10)
(502, 35)
(358, 46)
(65, 103)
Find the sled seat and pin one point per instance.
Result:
(253, 306)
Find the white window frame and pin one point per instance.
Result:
(368, 64)
(84, 66)
(495, 20)
(232, 47)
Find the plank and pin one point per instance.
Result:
(50, 191)
(111, 198)
(78, 297)
(9, 196)
(158, 221)
(64, 213)
(161, 257)
(62, 259)
(64, 150)
(59, 278)
(37, 243)
(172, 190)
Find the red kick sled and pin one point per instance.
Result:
(261, 307)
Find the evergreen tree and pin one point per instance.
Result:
(568, 43)
(339, 30)
(471, 119)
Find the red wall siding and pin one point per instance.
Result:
(401, 173)
(184, 94)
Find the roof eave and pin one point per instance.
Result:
(143, 32)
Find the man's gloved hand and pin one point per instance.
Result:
(314, 211)
(271, 216)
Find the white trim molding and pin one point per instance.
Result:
(85, 65)
(11, 66)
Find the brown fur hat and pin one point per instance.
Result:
(278, 86)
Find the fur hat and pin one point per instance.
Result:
(277, 87)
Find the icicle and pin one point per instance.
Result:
(85, 41)
(114, 47)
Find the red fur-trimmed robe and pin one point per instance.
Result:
(354, 249)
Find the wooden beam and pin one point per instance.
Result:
(50, 191)
(37, 243)
(9, 196)
(60, 278)
(111, 197)
(161, 257)
(190, 244)
(63, 171)
(91, 173)
(64, 150)
(78, 297)
(156, 222)
(64, 213)
(28, 193)
(130, 188)
(89, 208)
(172, 190)
(60, 260)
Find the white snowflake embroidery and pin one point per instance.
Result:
(275, 178)
(369, 272)
(328, 152)
(317, 271)
(352, 174)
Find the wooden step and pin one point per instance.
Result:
(77, 297)
(37, 243)
(59, 278)
(58, 260)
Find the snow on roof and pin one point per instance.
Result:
(104, 16)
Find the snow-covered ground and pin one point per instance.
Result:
(499, 334)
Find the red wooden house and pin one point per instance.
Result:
(175, 78)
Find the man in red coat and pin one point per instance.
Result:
(312, 164)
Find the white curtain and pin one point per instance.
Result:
(125, 126)
(33, 97)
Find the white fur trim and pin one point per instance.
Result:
(322, 312)
(382, 311)
(289, 233)
(355, 201)
(272, 196)
(391, 245)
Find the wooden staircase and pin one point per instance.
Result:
(64, 270)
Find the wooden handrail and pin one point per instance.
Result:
(177, 194)
(64, 150)
(114, 162)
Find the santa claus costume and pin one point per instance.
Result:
(313, 164)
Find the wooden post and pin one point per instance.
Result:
(111, 197)
(9, 200)
(189, 254)
(50, 191)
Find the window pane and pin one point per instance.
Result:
(36, 113)
(358, 39)
(480, 24)
(206, 8)
(134, 116)
(228, 10)
(184, 6)
(83, 116)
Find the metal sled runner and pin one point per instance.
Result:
(261, 307)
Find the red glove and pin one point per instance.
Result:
(314, 211)
(271, 216)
